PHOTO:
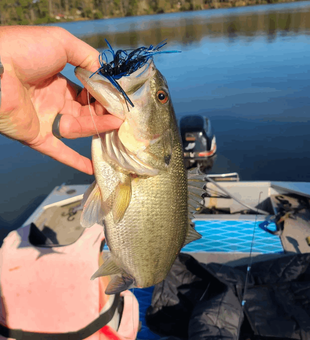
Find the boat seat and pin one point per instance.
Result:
(57, 226)
(296, 227)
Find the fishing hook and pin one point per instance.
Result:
(125, 62)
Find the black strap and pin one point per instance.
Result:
(83, 333)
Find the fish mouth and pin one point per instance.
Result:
(103, 91)
(108, 95)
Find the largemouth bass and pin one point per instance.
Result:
(140, 190)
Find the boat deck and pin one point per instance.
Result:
(232, 238)
(227, 239)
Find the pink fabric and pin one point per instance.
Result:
(129, 325)
(49, 289)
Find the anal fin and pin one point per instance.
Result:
(119, 284)
(107, 268)
(192, 235)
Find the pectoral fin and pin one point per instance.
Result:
(119, 284)
(122, 199)
(92, 207)
(192, 235)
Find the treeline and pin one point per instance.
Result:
(25, 12)
(46, 11)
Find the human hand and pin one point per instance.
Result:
(34, 92)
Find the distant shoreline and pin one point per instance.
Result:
(213, 4)
(33, 14)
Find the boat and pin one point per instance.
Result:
(199, 142)
(230, 213)
(233, 210)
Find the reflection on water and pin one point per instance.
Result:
(196, 26)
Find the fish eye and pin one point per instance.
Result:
(162, 96)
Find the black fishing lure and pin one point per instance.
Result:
(125, 62)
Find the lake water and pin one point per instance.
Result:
(247, 69)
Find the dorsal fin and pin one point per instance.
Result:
(196, 203)
(191, 207)
(190, 215)
(196, 189)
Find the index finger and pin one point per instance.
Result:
(79, 53)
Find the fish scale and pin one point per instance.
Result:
(141, 188)
(149, 235)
